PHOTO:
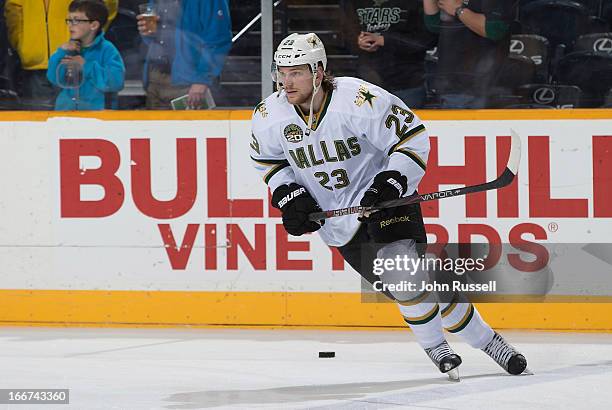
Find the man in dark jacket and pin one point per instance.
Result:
(473, 45)
(390, 38)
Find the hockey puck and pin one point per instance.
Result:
(327, 354)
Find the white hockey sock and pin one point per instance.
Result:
(463, 319)
(423, 317)
(419, 309)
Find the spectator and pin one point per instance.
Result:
(472, 47)
(99, 67)
(186, 51)
(390, 39)
(36, 28)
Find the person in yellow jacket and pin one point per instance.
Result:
(36, 28)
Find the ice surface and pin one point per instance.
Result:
(245, 368)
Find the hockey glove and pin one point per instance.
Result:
(296, 203)
(387, 185)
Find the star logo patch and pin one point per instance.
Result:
(364, 95)
(313, 41)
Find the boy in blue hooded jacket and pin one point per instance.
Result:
(88, 67)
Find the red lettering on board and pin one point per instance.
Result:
(178, 257)
(540, 202)
(72, 177)
(284, 246)
(472, 173)
(187, 179)
(539, 251)
(210, 246)
(465, 233)
(337, 259)
(602, 176)
(256, 254)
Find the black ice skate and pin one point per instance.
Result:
(506, 356)
(446, 360)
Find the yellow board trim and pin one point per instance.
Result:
(427, 115)
(523, 114)
(266, 309)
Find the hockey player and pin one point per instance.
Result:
(328, 142)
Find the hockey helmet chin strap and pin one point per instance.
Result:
(315, 89)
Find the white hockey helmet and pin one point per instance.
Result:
(297, 49)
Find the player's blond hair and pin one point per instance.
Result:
(329, 82)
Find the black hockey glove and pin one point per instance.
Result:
(387, 185)
(296, 203)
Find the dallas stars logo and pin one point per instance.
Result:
(313, 41)
(364, 95)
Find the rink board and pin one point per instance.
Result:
(149, 218)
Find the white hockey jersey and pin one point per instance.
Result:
(359, 131)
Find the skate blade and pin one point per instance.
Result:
(453, 375)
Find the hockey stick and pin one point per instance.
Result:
(505, 178)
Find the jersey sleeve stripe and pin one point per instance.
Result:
(412, 155)
(269, 162)
(408, 136)
(274, 171)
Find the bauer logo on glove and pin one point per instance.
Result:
(296, 204)
(289, 197)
